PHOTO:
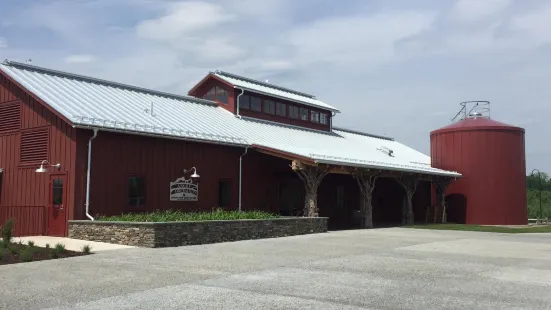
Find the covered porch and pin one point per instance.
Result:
(355, 196)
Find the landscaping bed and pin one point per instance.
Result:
(20, 253)
(13, 253)
(176, 228)
(180, 216)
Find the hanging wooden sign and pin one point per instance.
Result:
(184, 190)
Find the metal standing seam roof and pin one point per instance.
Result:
(94, 103)
(273, 90)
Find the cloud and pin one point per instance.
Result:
(81, 58)
(392, 67)
(473, 10)
(367, 38)
(536, 24)
(3, 43)
(183, 19)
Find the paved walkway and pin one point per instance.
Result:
(392, 268)
(71, 244)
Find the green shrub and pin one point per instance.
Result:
(7, 231)
(59, 248)
(3, 245)
(31, 243)
(180, 216)
(86, 249)
(27, 254)
(1, 253)
(47, 246)
(13, 250)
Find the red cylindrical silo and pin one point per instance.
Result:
(491, 157)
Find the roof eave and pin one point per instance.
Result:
(288, 99)
(389, 168)
(192, 91)
(159, 135)
(253, 81)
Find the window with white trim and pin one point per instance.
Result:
(245, 102)
(293, 111)
(269, 106)
(281, 109)
(314, 116)
(304, 114)
(323, 118)
(256, 104)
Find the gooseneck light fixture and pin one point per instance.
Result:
(44, 168)
(194, 175)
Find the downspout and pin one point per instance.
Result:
(241, 174)
(331, 121)
(88, 174)
(238, 97)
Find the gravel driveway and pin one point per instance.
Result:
(393, 268)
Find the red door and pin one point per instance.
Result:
(57, 215)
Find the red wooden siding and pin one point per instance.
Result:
(23, 191)
(116, 157)
(28, 220)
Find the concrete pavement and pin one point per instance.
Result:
(394, 268)
(71, 244)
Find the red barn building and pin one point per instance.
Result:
(75, 147)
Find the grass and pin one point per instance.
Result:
(495, 229)
(180, 216)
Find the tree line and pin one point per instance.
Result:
(533, 188)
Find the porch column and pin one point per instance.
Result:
(441, 185)
(409, 184)
(366, 181)
(311, 176)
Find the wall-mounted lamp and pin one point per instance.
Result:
(1, 170)
(43, 169)
(194, 175)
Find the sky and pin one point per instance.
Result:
(398, 68)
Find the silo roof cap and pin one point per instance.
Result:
(477, 123)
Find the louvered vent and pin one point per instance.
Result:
(34, 145)
(10, 116)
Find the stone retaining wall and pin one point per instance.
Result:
(170, 234)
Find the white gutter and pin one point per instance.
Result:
(240, 175)
(331, 121)
(88, 174)
(239, 97)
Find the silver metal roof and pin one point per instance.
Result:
(273, 90)
(93, 103)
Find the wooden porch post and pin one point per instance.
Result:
(366, 181)
(409, 184)
(311, 176)
(441, 185)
